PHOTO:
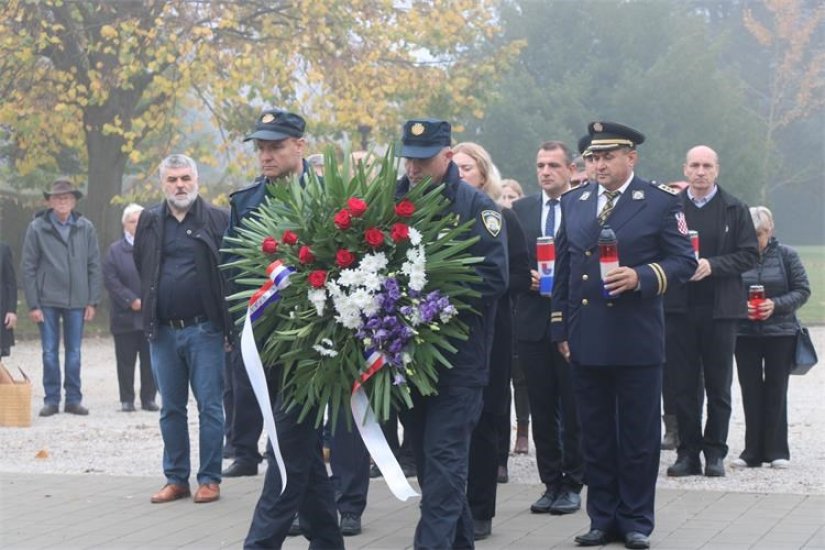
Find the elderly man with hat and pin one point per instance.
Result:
(62, 280)
(441, 425)
(609, 324)
(280, 145)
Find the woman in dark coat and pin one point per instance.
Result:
(123, 283)
(765, 346)
(8, 300)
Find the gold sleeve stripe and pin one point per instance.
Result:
(660, 277)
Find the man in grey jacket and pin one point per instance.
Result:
(62, 280)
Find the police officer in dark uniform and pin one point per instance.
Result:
(441, 425)
(280, 146)
(615, 342)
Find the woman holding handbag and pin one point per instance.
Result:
(765, 346)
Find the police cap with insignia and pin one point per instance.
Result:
(424, 138)
(611, 135)
(275, 125)
(584, 146)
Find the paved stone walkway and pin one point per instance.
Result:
(111, 512)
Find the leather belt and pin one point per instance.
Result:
(183, 323)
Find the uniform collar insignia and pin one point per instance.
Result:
(638, 195)
(585, 196)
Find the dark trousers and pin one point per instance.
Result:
(244, 420)
(619, 409)
(308, 489)
(699, 346)
(520, 396)
(350, 465)
(556, 430)
(128, 347)
(440, 427)
(764, 365)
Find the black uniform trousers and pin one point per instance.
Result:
(308, 488)
(619, 408)
(128, 347)
(556, 428)
(699, 347)
(440, 428)
(349, 461)
(764, 365)
(244, 420)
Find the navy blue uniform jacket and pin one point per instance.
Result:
(471, 361)
(628, 330)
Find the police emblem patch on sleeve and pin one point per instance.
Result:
(492, 221)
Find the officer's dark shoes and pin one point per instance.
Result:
(150, 406)
(374, 471)
(295, 528)
(715, 467)
(240, 469)
(482, 528)
(544, 503)
(49, 410)
(685, 466)
(127, 407)
(594, 537)
(350, 525)
(636, 541)
(567, 502)
(76, 408)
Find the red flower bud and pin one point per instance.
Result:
(289, 237)
(356, 207)
(374, 237)
(400, 232)
(344, 258)
(317, 278)
(269, 245)
(305, 255)
(343, 219)
(405, 208)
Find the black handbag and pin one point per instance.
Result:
(805, 353)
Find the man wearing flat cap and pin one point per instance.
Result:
(279, 143)
(62, 280)
(610, 327)
(441, 425)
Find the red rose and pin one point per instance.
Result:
(317, 278)
(374, 237)
(269, 245)
(305, 255)
(400, 232)
(343, 219)
(289, 237)
(356, 207)
(405, 208)
(344, 258)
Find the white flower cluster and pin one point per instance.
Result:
(414, 268)
(325, 348)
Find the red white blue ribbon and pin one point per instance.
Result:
(278, 275)
(372, 434)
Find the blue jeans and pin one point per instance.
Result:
(50, 340)
(180, 357)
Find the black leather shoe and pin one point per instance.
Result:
(482, 528)
(544, 503)
(76, 408)
(374, 471)
(685, 466)
(240, 469)
(594, 537)
(567, 502)
(350, 525)
(715, 467)
(49, 410)
(295, 528)
(150, 406)
(636, 541)
(127, 407)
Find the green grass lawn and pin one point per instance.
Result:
(813, 258)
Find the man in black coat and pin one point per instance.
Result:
(556, 431)
(702, 315)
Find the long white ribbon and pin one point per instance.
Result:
(255, 370)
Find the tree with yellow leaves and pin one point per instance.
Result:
(105, 78)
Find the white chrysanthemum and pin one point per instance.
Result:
(373, 263)
(362, 299)
(349, 277)
(418, 280)
(373, 281)
(325, 348)
(318, 298)
(415, 236)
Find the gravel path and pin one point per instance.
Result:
(115, 443)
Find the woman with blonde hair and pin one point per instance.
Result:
(511, 191)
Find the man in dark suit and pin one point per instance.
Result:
(556, 430)
(611, 329)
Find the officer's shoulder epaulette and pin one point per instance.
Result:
(664, 187)
(249, 187)
(577, 188)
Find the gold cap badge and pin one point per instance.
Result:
(267, 118)
(597, 127)
(417, 129)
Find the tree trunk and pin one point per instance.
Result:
(106, 165)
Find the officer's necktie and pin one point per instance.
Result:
(608, 206)
(550, 223)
